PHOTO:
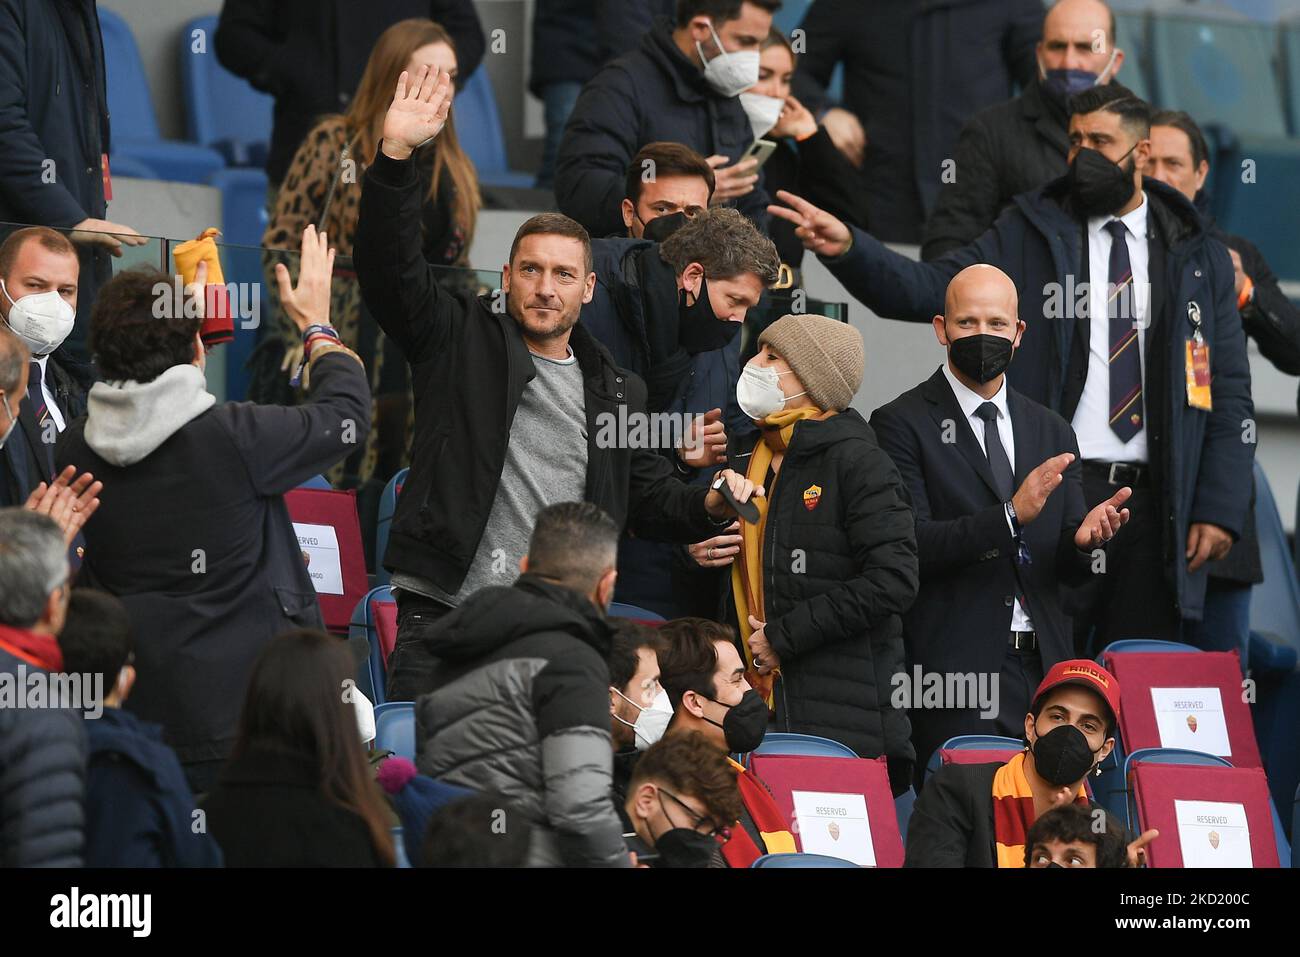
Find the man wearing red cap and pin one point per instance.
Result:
(977, 815)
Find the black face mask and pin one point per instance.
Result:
(1062, 756)
(981, 357)
(683, 847)
(700, 330)
(661, 227)
(745, 723)
(1098, 186)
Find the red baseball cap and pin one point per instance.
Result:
(1086, 674)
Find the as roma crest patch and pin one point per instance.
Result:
(811, 496)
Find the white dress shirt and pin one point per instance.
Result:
(970, 401)
(1092, 417)
(50, 404)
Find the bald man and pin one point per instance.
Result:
(1019, 145)
(995, 485)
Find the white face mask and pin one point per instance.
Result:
(652, 722)
(4, 400)
(729, 73)
(42, 320)
(763, 111)
(758, 393)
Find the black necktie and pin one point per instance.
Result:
(41, 412)
(1125, 362)
(1003, 477)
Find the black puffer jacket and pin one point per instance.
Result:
(517, 704)
(839, 570)
(42, 781)
(1014, 147)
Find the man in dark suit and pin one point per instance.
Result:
(1136, 341)
(39, 273)
(996, 486)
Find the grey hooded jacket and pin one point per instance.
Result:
(517, 704)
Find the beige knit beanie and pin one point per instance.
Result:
(826, 355)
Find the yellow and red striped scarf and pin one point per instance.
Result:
(1013, 811)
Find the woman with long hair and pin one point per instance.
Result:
(323, 186)
(297, 790)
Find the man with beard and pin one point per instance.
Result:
(512, 397)
(1132, 335)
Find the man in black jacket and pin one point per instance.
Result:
(1180, 158)
(681, 85)
(55, 140)
(196, 539)
(310, 54)
(1186, 451)
(995, 483)
(514, 399)
(42, 749)
(913, 73)
(1021, 144)
(39, 273)
(515, 698)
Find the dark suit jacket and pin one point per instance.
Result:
(26, 461)
(962, 615)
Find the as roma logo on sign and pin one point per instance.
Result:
(811, 496)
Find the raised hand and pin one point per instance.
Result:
(1038, 485)
(418, 111)
(308, 303)
(706, 442)
(732, 180)
(1101, 524)
(68, 501)
(818, 230)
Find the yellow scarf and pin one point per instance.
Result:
(1013, 811)
(747, 570)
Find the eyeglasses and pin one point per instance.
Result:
(698, 821)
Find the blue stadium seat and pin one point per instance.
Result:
(1197, 758)
(478, 126)
(128, 167)
(134, 123)
(387, 506)
(399, 847)
(1295, 825)
(222, 111)
(364, 626)
(243, 221)
(1131, 37)
(903, 805)
(1291, 59)
(1144, 646)
(1274, 604)
(395, 728)
(800, 860)
(809, 745)
(317, 481)
(621, 609)
(972, 742)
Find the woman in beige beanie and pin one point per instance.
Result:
(825, 574)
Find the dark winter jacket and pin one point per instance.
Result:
(517, 704)
(193, 535)
(653, 93)
(1008, 149)
(1200, 464)
(42, 775)
(139, 809)
(913, 74)
(310, 54)
(469, 366)
(267, 810)
(839, 571)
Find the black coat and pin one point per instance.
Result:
(653, 93)
(195, 539)
(572, 39)
(837, 578)
(913, 74)
(1008, 149)
(23, 463)
(962, 615)
(816, 170)
(54, 119)
(310, 54)
(1201, 466)
(267, 810)
(469, 366)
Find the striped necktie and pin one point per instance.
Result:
(41, 412)
(1125, 360)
